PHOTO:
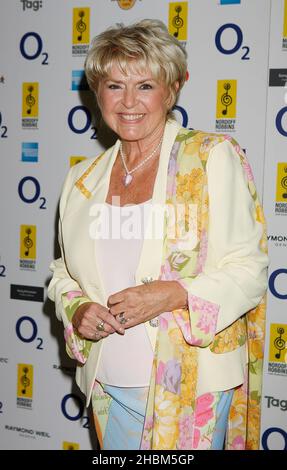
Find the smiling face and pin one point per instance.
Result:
(134, 105)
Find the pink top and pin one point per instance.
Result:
(125, 361)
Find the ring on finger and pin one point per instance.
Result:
(101, 326)
(122, 318)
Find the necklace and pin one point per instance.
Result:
(128, 176)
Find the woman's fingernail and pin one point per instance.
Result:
(122, 331)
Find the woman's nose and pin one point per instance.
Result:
(129, 98)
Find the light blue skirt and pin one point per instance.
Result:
(127, 412)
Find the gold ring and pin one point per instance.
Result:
(101, 326)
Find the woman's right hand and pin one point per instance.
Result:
(90, 316)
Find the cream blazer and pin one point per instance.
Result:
(77, 268)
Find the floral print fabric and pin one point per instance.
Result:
(76, 347)
(172, 418)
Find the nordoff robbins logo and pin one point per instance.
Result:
(276, 403)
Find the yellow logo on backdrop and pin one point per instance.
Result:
(25, 381)
(226, 99)
(278, 343)
(28, 242)
(126, 4)
(285, 20)
(70, 445)
(75, 160)
(281, 186)
(81, 25)
(177, 22)
(30, 100)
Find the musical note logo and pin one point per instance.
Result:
(81, 31)
(28, 235)
(284, 184)
(25, 381)
(177, 21)
(28, 242)
(226, 104)
(81, 25)
(226, 99)
(30, 100)
(279, 342)
(281, 182)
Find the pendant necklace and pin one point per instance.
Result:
(128, 176)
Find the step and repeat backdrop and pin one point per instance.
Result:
(49, 121)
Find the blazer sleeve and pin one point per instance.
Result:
(234, 279)
(63, 289)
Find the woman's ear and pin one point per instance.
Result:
(171, 99)
(176, 85)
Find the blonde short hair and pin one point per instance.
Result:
(146, 43)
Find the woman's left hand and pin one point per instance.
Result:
(142, 303)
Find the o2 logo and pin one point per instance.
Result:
(32, 53)
(279, 119)
(268, 433)
(272, 287)
(35, 193)
(27, 331)
(74, 401)
(238, 41)
(84, 113)
(3, 129)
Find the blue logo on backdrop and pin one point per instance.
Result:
(279, 119)
(239, 40)
(35, 192)
(229, 2)
(30, 151)
(36, 46)
(28, 336)
(270, 431)
(272, 280)
(79, 413)
(80, 111)
(79, 81)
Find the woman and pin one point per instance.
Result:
(163, 260)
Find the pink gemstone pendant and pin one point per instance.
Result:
(127, 179)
